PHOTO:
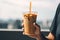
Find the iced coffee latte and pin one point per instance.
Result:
(29, 19)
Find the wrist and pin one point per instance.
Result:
(38, 37)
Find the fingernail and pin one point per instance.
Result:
(34, 23)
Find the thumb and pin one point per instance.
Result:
(36, 26)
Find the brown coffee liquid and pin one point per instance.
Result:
(29, 19)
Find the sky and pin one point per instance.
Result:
(14, 9)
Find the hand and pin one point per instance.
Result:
(50, 36)
(37, 31)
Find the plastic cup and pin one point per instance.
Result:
(29, 19)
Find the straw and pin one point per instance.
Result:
(30, 7)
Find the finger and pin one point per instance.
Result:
(36, 26)
(22, 20)
(23, 33)
(23, 29)
(32, 36)
(22, 24)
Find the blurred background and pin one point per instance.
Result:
(11, 12)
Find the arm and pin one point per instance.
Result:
(42, 37)
(50, 36)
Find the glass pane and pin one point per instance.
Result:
(11, 12)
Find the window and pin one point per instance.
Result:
(11, 12)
